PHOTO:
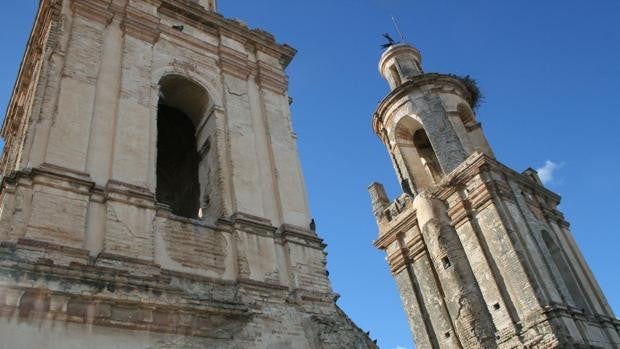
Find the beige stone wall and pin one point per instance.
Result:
(97, 120)
(499, 215)
(89, 257)
(121, 302)
(98, 113)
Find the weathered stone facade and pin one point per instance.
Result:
(481, 254)
(89, 257)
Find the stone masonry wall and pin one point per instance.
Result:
(88, 257)
(498, 215)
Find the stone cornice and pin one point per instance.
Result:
(403, 90)
(97, 10)
(477, 163)
(298, 235)
(105, 291)
(48, 9)
(413, 250)
(234, 63)
(197, 13)
(272, 79)
(478, 198)
(398, 261)
(396, 50)
(111, 297)
(188, 41)
(51, 172)
(254, 223)
(141, 25)
(403, 223)
(416, 247)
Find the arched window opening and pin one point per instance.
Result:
(427, 155)
(565, 272)
(181, 106)
(414, 157)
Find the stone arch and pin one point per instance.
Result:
(185, 95)
(181, 107)
(402, 123)
(427, 154)
(212, 189)
(212, 88)
(415, 153)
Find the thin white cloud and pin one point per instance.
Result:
(400, 347)
(547, 172)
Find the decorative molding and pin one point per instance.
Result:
(417, 82)
(404, 223)
(272, 78)
(100, 295)
(233, 62)
(229, 27)
(38, 41)
(97, 10)
(141, 25)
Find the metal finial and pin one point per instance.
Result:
(403, 39)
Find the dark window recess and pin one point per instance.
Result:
(406, 187)
(177, 162)
(447, 334)
(446, 263)
(388, 215)
(496, 306)
(427, 154)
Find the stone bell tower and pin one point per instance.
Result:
(151, 193)
(481, 254)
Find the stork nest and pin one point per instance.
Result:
(477, 98)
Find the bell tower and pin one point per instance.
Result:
(481, 254)
(151, 193)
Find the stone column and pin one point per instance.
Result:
(105, 105)
(99, 154)
(469, 314)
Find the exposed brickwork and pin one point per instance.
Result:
(194, 246)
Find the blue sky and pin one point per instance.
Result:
(549, 71)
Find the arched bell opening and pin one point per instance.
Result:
(415, 156)
(427, 155)
(181, 107)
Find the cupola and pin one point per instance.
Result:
(399, 63)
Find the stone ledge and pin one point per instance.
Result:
(196, 13)
(202, 321)
(416, 82)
